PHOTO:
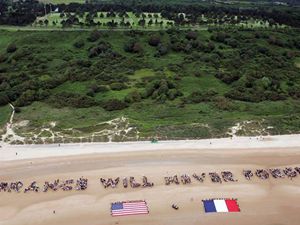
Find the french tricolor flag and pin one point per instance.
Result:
(221, 205)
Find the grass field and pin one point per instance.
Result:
(55, 17)
(5, 112)
(55, 22)
(50, 55)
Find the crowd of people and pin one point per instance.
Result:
(67, 185)
(276, 173)
(199, 178)
(9, 187)
(290, 172)
(132, 182)
(215, 177)
(82, 183)
(110, 182)
(228, 176)
(185, 179)
(248, 174)
(262, 174)
(171, 180)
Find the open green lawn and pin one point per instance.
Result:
(55, 22)
(55, 17)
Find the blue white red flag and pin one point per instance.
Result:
(221, 205)
(129, 208)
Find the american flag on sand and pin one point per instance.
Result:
(129, 208)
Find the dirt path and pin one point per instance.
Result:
(10, 133)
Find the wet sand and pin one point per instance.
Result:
(262, 202)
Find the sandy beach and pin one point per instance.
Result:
(262, 202)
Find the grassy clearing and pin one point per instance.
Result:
(55, 20)
(5, 112)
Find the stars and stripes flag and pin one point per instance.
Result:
(221, 205)
(129, 208)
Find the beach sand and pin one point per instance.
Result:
(262, 202)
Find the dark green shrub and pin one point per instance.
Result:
(11, 48)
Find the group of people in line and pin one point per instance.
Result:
(67, 185)
(227, 176)
(264, 174)
(131, 181)
(82, 183)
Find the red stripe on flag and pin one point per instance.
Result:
(131, 208)
(232, 205)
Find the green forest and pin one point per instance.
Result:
(169, 84)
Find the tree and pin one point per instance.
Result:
(142, 22)
(46, 22)
(150, 22)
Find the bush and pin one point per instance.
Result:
(232, 42)
(17, 110)
(294, 92)
(98, 88)
(3, 58)
(65, 99)
(154, 40)
(102, 47)
(201, 96)
(228, 77)
(94, 36)
(162, 50)
(79, 44)
(161, 90)
(114, 104)
(133, 47)
(134, 96)
(197, 74)
(223, 103)
(11, 48)
(90, 93)
(191, 35)
(117, 86)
